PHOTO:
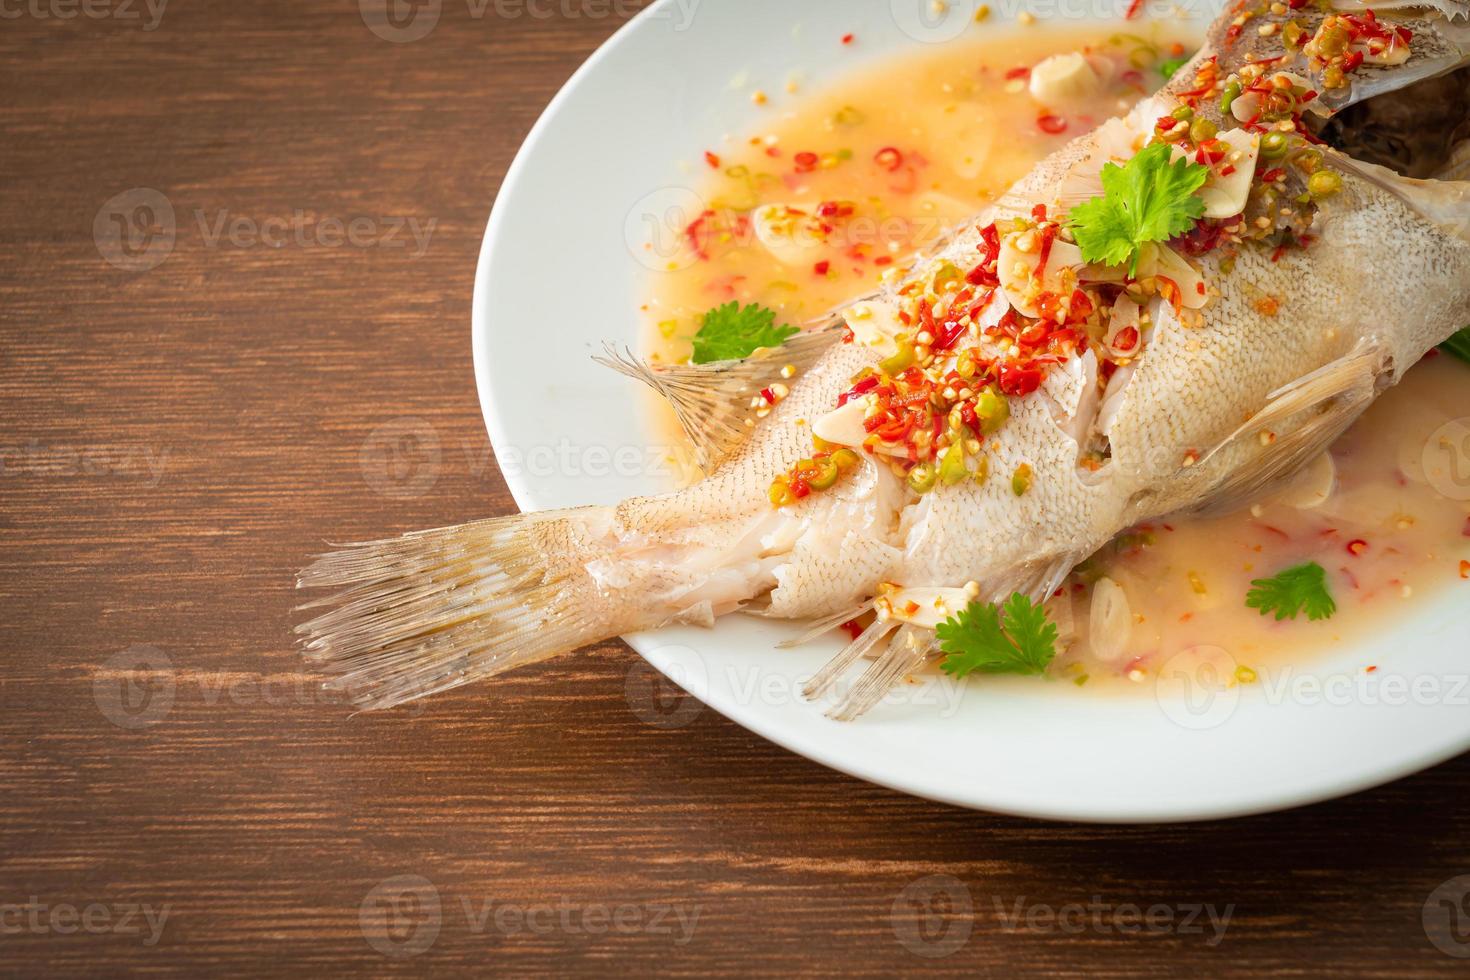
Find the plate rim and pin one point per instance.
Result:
(523, 492)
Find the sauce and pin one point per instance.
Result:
(903, 151)
(1389, 533)
(838, 188)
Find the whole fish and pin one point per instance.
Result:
(996, 414)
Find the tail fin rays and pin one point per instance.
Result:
(426, 612)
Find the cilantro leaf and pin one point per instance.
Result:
(1291, 591)
(977, 639)
(1148, 199)
(1458, 345)
(729, 332)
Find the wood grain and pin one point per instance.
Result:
(174, 443)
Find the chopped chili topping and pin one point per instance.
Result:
(1052, 124)
(889, 158)
(820, 472)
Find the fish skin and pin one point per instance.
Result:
(499, 594)
(1194, 387)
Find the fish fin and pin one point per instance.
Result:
(1441, 43)
(1457, 166)
(422, 613)
(912, 646)
(826, 624)
(906, 652)
(1036, 581)
(1319, 407)
(824, 680)
(712, 402)
(1443, 202)
(1451, 9)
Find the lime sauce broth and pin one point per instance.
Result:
(836, 188)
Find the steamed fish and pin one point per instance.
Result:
(1175, 312)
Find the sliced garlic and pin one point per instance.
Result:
(1313, 486)
(1246, 106)
(1113, 142)
(1173, 266)
(1125, 315)
(844, 425)
(1396, 53)
(875, 324)
(1110, 623)
(1225, 197)
(1104, 273)
(1061, 78)
(1018, 272)
(925, 606)
(788, 232)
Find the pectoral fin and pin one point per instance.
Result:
(713, 401)
(1440, 44)
(1298, 423)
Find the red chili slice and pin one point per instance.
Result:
(953, 331)
(1051, 124)
(889, 158)
(861, 388)
(1126, 339)
(1017, 380)
(1356, 547)
(806, 162)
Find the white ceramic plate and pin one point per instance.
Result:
(558, 276)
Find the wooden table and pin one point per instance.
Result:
(186, 420)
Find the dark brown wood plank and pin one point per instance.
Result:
(175, 441)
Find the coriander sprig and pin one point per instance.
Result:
(1148, 199)
(1287, 593)
(1016, 638)
(731, 331)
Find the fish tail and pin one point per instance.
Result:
(425, 612)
